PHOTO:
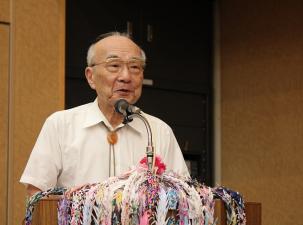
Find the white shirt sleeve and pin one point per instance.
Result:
(44, 164)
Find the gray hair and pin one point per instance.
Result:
(91, 50)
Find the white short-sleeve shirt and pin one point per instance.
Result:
(72, 148)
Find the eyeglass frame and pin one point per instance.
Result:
(142, 67)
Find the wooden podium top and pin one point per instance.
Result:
(45, 212)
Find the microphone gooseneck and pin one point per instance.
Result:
(129, 111)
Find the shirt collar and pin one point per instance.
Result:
(137, 125)
(94, 116)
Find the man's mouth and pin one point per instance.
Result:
(123, 91)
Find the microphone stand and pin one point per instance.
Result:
(150, 148)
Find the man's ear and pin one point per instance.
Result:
(89, 77)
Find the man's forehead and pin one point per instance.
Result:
(117, 45)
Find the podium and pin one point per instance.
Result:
(252, 211)
(45, 212)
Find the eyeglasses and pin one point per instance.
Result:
(134, 66)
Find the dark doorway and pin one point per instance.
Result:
(177, 40)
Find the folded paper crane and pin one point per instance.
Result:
(140, 197)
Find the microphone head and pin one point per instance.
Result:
(121, 106)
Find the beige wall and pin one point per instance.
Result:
(4, 106)
(32, 33)
(261, 48)
(4, 99)
(5, 11)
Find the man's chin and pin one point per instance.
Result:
(113, 102)
(129, 99)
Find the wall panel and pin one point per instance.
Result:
(262, 105)
(38, 35)
(4, 117)
(5, 11)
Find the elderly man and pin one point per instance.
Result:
(89, 143)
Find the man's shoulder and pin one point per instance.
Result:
(156, 120)
(71, 113)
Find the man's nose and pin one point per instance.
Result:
(124, 75)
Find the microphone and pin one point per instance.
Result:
(129, 111)
(126, 109)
